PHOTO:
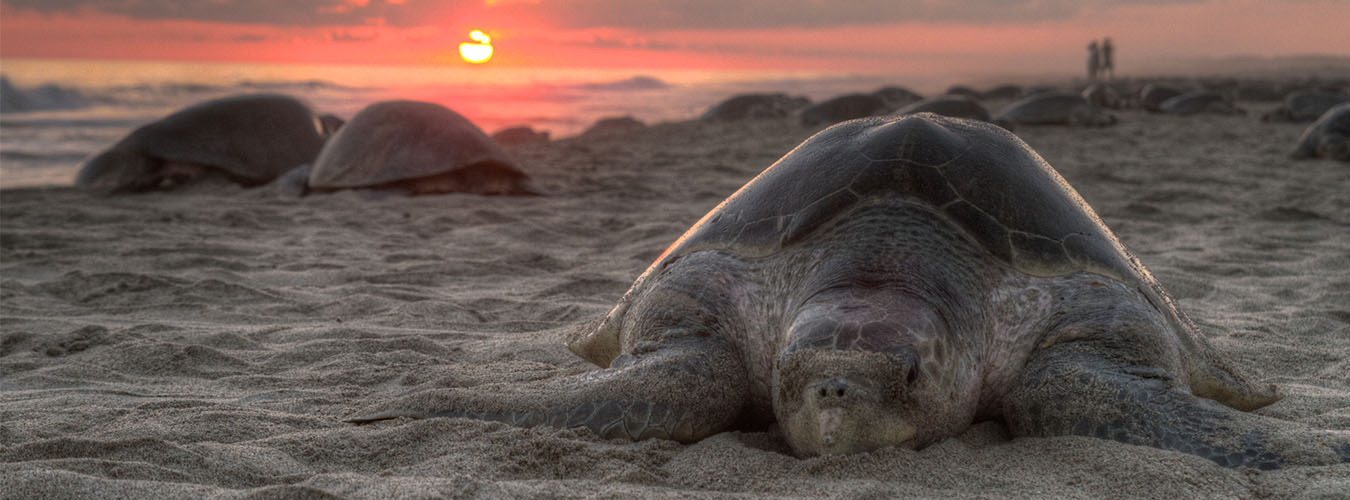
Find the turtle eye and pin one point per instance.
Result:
(912, 376)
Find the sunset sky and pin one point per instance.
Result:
(854, 35)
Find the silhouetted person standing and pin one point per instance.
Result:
(1107, 69)
(1093, 61)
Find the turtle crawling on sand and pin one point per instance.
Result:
(1328, 137)
(414, 147)
(887, 283)
(1056, 108)
(245, 139)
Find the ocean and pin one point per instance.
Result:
(58, 112)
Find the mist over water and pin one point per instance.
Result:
(58, 112)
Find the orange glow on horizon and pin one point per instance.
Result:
(476, 53)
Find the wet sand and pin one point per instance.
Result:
(208, 343)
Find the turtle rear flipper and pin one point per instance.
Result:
(684, 390)
(1085, 389)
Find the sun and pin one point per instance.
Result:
(476, 53)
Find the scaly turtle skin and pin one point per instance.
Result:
(1328, 137)
(1056, 108)
(888, 283)
(248, 139)
(416, 148)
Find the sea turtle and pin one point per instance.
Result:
(1153, 95)
(1006, 92)
(1056, 108)
(887, 283)
(1200, 101)
(247, 139)
(1102, 95)
(954, 105)
(844, 107)
(755, 106)
(897, 96)
(963, 90)
(416, 148)
(1328, 137)
(518, 135)
(1305, 105)
(614, 125)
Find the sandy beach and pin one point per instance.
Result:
(208, 343)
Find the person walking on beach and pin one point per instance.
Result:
(1093, 61)
(1107, 69)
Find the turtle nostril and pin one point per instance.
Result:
(823, 393)
(839, 392)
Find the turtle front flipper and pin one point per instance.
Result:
(1086, 389)
(683, 390)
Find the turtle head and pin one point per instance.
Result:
(118, 170)
(838, 402)
(868, 368)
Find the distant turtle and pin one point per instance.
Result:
(515, 136)
(415, 148)
(1056, 108)
(1328, 137)
(897, 96)
(614, 125)
(1153, 95)
(888, 283)
(1103, 96)
(953, 105)
(755, 106)
(844, 107)
(247, 139)
(1305, 105)
(1200, 101)
(1006, 92)
(963, 90)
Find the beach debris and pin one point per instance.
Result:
(415, 147)
(1199, 101)
(755, 107)
(1328, 137)
(245, 139)
(889, 282)
(841, 108)
(1305, 105)
(1056, 108)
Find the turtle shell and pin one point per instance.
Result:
(954, 105)
(1046, 108)
(1306, 105)
(394, 141)
(253, 138)
(982, 177)
(1335, 121)
(844, 107)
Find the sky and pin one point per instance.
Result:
(883, 36)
